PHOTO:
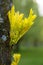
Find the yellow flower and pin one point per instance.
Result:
(13, 63)
(18, 24)
(16, 59)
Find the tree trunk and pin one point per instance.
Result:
(5, 50)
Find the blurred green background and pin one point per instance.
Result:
(31, 44)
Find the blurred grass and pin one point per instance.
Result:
(31, 56)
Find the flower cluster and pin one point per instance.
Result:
(18, 24)
(18, 27)
(16, 58)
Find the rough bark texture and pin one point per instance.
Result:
(5, 49)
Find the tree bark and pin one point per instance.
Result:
(5, 50)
